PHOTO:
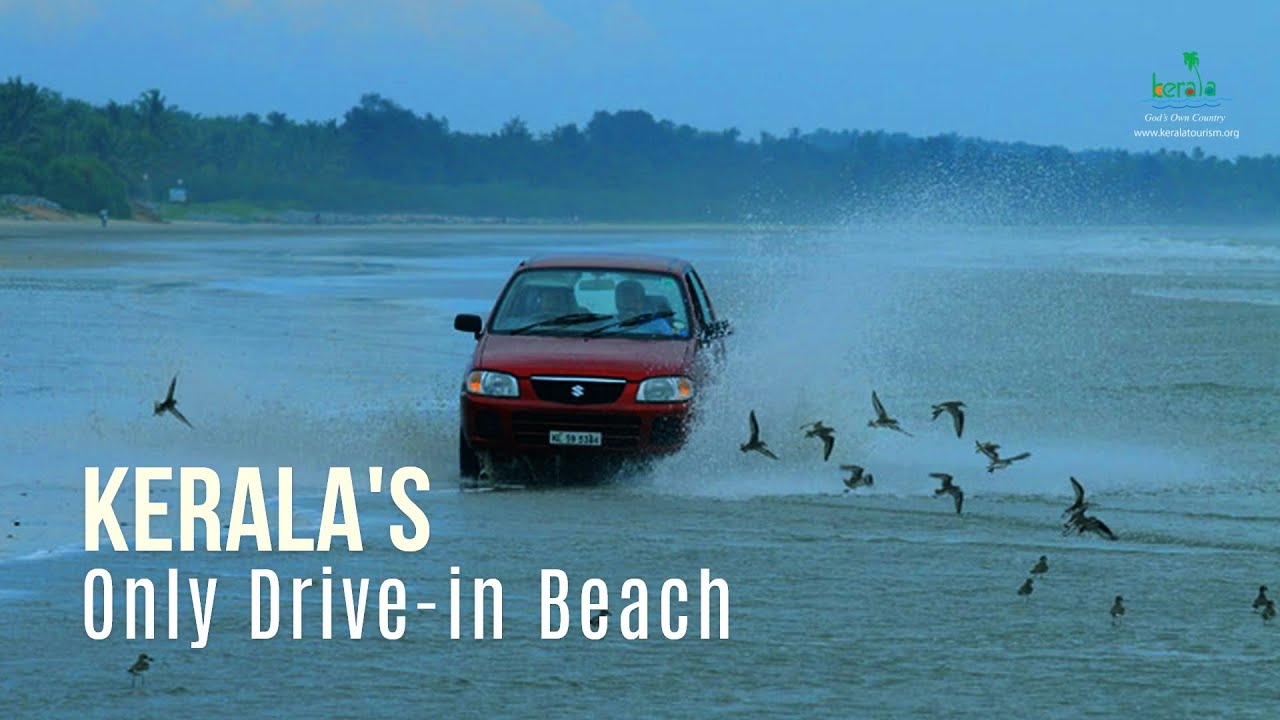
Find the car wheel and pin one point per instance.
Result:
(468, 463)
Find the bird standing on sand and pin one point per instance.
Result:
(755, 443)
(882, 418)
(857, 477)
(955, 407)
(1262, 599)
(1117, 609)
(170, 404)
(948, 488)
(828, 435)
(1041, 567)
(1027, 588)
(139, 666)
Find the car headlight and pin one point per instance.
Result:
(493, 384)
(665, 389)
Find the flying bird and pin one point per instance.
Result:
(1041, 567)
(1082, 523)
(818, 430)
(1261, 600)
(139, 666)
(989, 449)
(999, 463)
(755, 443)
(170, 404)
(1027, 588)
(857, 477)
(957, 495)
(1117, 609)
(882, 418)
(1079, 505)
(955, 407)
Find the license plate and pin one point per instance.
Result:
(566, 437)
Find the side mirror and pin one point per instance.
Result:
(468, 323)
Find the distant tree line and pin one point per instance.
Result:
(382, 157)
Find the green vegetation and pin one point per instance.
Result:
(621, 166)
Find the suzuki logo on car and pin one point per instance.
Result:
(577, 391)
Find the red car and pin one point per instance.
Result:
(592, 358)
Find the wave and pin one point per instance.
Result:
(1261, 251)
(1247, 296)
(54, 553)
(1194, 389)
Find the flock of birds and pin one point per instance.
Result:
(859, 477)
(1077, 519)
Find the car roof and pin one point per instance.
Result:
(611, 261)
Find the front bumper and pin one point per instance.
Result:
(523, 426)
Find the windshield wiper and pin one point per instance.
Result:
(632, 321)
(561, 320)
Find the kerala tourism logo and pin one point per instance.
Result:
(1186, 91)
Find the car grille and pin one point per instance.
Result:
(578, 391)
(616, 431)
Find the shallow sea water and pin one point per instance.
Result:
(1142, 361)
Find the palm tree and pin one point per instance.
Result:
(151, 104)
(1192, 61)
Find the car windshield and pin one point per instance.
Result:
(599, 303)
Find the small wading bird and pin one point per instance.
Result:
(957, 495)
(1117, 609)
(1262, 599)
(139, 666)
(1041, 567)
(828, 435)
(1027, 588)
(170, 404)
(955, 407)
(882, 418)
(1082, 524)
(755, 443)
(857, 477)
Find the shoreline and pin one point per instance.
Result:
(31, 229)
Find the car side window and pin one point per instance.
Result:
(706, 315)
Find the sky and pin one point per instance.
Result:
(1075, 74)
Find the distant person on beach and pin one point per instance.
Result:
(103, 215)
